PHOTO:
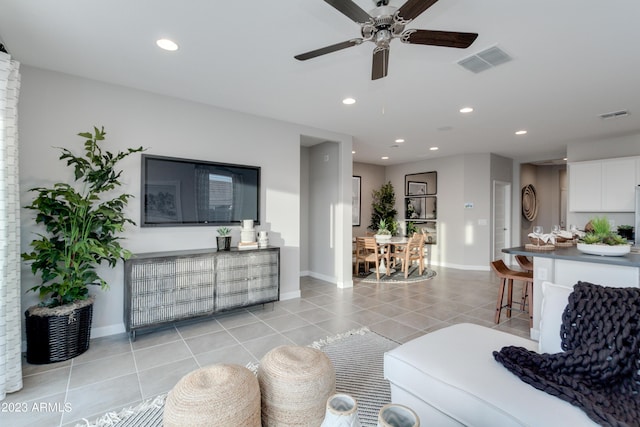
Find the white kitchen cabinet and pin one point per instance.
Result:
(603, 185)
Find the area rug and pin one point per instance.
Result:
(398, 276)
(357, 357)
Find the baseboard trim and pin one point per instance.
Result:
(104, 331)
(290, 295)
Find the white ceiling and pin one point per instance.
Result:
(572, 60)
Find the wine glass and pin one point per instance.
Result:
(537, 231)
(555, 229)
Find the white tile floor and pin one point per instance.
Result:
(116, 373)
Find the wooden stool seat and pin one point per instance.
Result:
(507, 276)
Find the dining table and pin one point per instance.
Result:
(388, 246)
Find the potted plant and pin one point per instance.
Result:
(223, 240)
(383, 208)
(81, 226)
(411, 228)
(599, 239)
(383, 232)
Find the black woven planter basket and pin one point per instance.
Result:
(53, 339)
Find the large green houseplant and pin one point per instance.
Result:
(383, 208)
(81, 227)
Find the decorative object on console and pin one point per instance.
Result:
(597, 371)
(342, 411)
(263, 239)
(223, 240)
(247, 235)
(82, 230)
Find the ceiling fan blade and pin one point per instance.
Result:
(328, 49)
(380, 63)
(412, 8)
(439, 38)
(351, 10)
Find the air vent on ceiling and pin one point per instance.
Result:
(614, 114)
(485, 59)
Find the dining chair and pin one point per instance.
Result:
(368, 251)
(413, 251)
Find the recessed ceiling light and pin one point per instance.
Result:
(399, 140)
(466, 110)
(167, 44)
(385, 158)
(521, 132)
(348, 101)
(565, 159)
(433, 148)
(353, 152)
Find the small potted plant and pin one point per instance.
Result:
(383, 232)
(411, 228)
(223, 239)
(599, 239)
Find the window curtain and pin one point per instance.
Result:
(10, 312)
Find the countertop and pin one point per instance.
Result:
(573, 254)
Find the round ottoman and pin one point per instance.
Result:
(218, 395)
(295, 383)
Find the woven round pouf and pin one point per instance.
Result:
(295, 383)
(218, 395)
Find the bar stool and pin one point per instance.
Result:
(527, 265)
(507, 276)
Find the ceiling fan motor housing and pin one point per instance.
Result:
(383, 26)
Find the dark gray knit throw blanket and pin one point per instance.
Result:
(598, 370)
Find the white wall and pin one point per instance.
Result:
(304, 211)
(463, 240)
(323, 199)
(55, 107)
(372, 178)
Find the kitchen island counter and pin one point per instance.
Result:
(573, 254)
(567, 265)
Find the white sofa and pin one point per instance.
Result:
(450, 378)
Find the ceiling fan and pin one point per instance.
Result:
(385, 23)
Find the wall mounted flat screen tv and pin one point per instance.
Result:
(182, 192)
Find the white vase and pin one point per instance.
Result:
(394, 415)
(342, 411)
